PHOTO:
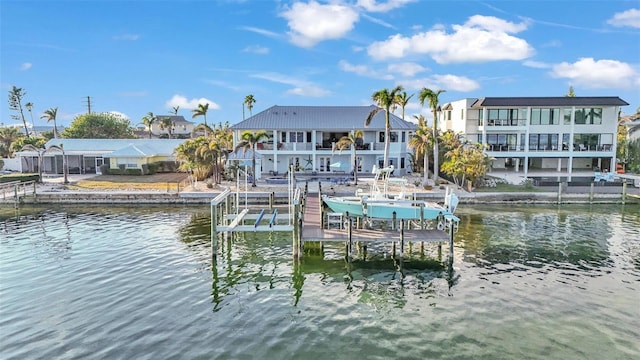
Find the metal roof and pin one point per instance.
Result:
(550, 101)
(146, 147)
(320, 118)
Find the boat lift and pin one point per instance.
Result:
(227, 217)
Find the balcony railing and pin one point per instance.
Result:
(505, 122)
(576, 147)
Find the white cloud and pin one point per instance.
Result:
(363, 70)
(184, 103)
(456, 83)
(264, 32)
(300, 87)
(629, 18)
(26, 66)
(598, 74)
(408, 69)
(378, 21)
(536, 64)
(311, 23)
(256, 49)
(127, 37)
(119, 114)
(312, 91)
(445, 82)
(374, 6)
(480, 39)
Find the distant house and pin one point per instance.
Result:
(85, 156)
(632, 123)
(181, 128)
(303, 136)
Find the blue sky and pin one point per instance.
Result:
(134, 57)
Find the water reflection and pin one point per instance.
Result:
(534, 237)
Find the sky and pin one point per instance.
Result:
(135, 57)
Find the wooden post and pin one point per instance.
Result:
(393, 221)
(300, 240)
(272, 196)
(401, 237)
(451, 242)
(321, 207)
(624, 191)
(559, 192)
(591, 193)
(349, 234)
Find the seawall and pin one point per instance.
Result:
(277, 198)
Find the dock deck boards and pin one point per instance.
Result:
(312, 231)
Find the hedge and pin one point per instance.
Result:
(18, 177)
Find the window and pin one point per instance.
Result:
(296, 136)
(545, 116)
(506, 117)
(565, 141)
(588, 116)
(401, 163)
(404, 136)
(566, 114)
(381, 136)
(393, 136)
(543, 142)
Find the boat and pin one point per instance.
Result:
(379, 204)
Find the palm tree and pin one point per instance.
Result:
(432, 97)
(29, 107)
(167, 124)
(51, 115)
(201, 110)
(65, 166)
(8, 135)
(174, 110)
(350, 141)
(15, 103)
(249, 100)
(402, 100)
(420, 143)
(249, 140)
(210, 151)
(385, 99)
(40, 152)
(148, 121)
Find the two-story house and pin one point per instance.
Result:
(564, 134)
(180, 128)
(304, 136)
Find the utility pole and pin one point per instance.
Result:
(88, 104)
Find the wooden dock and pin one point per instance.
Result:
(314, 230)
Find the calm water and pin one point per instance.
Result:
(136, 283)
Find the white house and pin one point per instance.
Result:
(303, 136)
(180, 128)
(85, 156)
(553, 133)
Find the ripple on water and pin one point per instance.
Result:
(136, 283)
